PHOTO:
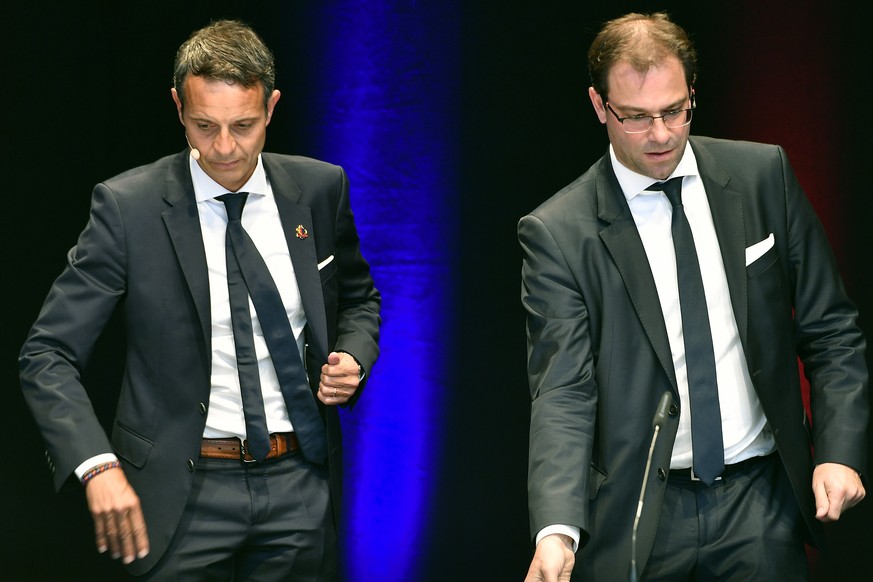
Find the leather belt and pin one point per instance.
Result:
(688, 474)
(233, 449)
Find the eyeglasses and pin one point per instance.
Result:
(643, 123)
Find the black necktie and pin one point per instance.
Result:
(706, 435)
(247, 274)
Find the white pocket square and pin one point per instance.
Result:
(757, 250)
(327, 261)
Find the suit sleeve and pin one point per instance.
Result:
(561, 378)
(358, 301)
(829, 342)
(60, 342)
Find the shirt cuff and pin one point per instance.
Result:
(567, 530)
(93, 462)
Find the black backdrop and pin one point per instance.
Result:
(86, 96)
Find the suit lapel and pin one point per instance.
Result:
(726, 206)
(183, 225)
(624, 244)
(300, 235)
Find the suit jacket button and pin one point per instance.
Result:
(190, 464)
(202, 408)
(674, 409)
(662, 474)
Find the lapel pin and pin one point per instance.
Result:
(302, 232)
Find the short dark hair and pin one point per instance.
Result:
(227, 50)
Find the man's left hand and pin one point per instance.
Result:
(837, 488)
(339, 379)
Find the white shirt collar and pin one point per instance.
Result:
(205, 188)
(633, 183)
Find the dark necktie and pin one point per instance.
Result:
(247, 274)
(706, 434)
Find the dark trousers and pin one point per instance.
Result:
(745, 527)
(254, 522)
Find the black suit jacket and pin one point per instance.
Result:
(599, 359)
(142, 252)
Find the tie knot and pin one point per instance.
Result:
(672, 188)
(233, 203)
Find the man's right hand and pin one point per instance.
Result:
(118, 521)
(553, 560)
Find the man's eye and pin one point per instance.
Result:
(638, 118)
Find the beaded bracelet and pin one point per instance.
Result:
(99, 469)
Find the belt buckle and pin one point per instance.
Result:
(694, 477)
(243, 451)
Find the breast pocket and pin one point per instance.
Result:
(327, 272)
(762, 263)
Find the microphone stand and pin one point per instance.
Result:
(657, 423)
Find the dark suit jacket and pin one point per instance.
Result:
(599, 358)
(142, 252)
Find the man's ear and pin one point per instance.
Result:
(597, 102)
(178, 103)
(271, 104)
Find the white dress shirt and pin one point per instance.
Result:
(743, 420)
(261, 221)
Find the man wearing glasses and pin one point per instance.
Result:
(669, 292)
